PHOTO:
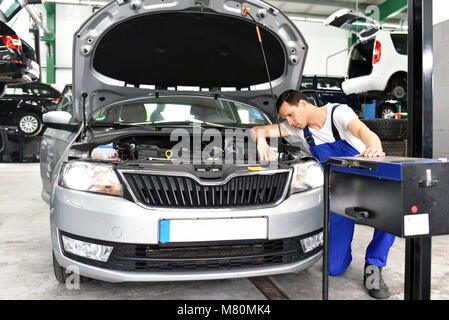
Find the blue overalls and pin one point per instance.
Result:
(341, 228)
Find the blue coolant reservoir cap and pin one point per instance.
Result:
(106, 146)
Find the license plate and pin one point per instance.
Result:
(196, 230)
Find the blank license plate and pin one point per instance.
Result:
(195, 230)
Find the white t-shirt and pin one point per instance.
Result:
(342, 116)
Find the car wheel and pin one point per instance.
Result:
(385, 110)
(61, 273)
(29, 124)
(398, 90)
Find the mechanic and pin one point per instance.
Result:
(332, 131)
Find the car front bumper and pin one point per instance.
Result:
(114, 220)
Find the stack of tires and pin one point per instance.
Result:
(392, 133)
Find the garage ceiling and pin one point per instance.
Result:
(316, 10)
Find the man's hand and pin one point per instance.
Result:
(372, 152)
(265, 152)
(260, 133)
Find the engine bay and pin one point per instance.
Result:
(187, 149)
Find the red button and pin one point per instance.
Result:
(414, 209)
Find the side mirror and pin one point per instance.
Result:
(56, 117)
(60, 120)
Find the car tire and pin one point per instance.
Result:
(61, 275)
(385, 109)
(388, 129)
(399, 90)
(29, 124)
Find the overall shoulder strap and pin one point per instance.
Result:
(334, 128)
(308, 137)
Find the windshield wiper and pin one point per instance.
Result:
(171, 123)
(119, 124)
(116, 124)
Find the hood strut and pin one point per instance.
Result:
(245, 12)
(83, 135)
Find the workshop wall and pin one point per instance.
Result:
(323, 42)
(441, 87)
(440, 78)
(68, 19)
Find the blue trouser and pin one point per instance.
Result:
(341, 229)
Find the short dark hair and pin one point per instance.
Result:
(291, 97)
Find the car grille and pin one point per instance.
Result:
(206, 257)
(185, 192)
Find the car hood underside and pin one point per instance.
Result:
(130, 49)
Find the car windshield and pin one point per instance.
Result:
(165, 110)
(329, 84)
(65, 101)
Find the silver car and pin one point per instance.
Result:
(151, 173)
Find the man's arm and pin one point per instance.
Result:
(369, 138)
(268, 131)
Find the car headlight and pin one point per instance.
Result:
(307, 175)
(91, 177)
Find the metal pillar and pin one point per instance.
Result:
(36, 35)
(50, 40)
(325, 268)
(420, 135)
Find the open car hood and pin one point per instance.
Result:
(136, 48)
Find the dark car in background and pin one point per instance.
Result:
(22, 106)
(312, 96)
(17, 59)
(328, 89)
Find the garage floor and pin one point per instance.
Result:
(26, 268)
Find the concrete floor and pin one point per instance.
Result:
(26, 267)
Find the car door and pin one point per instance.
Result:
(53, 145)
(45, 95)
